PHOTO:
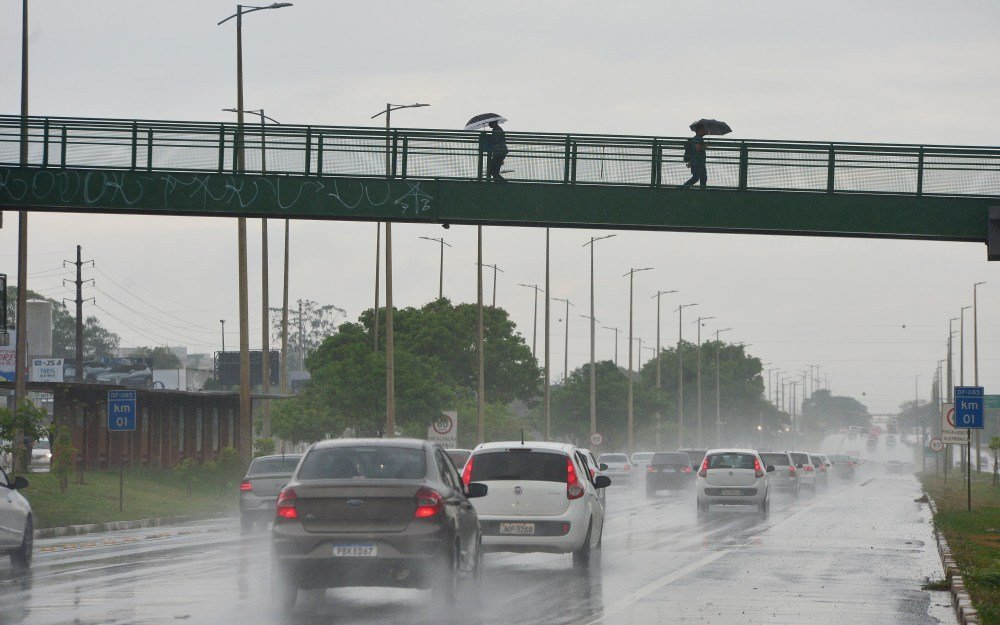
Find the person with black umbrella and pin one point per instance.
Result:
(694, 148)
(494, 144)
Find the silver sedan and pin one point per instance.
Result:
(16, 526)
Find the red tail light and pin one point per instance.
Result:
(650, 469)
(245, 486)
(757, 470)
(704, 468)
(574, 490)
(687, 469)
(807, 467)
(791, 471)
(626, 466)
(285, 508)
(467, 471)
(429, 503)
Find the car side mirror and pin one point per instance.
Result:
(476, 489)
(602, 481)
(20, 482)
(602, 467)
(770, 468)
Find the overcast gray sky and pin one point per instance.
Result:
(901, 71)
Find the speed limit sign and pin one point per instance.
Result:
(596, 439)
(936, 444)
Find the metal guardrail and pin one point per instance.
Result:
(657, 162)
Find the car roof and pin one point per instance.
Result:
(412, 443)
(500, 445)
(278, 456)
(728, 450)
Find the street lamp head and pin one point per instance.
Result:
(279, 5)
(700, 319)
(659, 293)
(977, 284)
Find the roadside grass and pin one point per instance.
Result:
(149, 493)
(974, 537)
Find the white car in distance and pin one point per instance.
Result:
(733, 477)
(540, 499)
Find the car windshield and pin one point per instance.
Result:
(615, 458)
(816, 460)
(642, 456)
(731, 460)
(775, 460)
(528, 465)
(838, 458)
(277, 465)
(364, 462)
(671, 457)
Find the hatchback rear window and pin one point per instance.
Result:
(614, 458)
(816, 460)
(674, 457)
(364, 462)
(800, 458)
(836, 459)
(730, 461)
(537, 466)
(284, 465)
(775, 460)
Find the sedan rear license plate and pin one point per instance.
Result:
(668, 470)
(731, 492)
(355, 551)
(517, 529)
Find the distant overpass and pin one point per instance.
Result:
(931, 192)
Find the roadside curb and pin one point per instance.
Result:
(967, 615)
(98, 528)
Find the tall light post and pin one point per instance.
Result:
(680, 371)
(961, 346)
(631, 282)
(566, 346)
(495, 270)
(246, 416)
(975, 363)
(699, 322)
(659, 352)
(718, 389)
(548, 317)
(265, 340)
(617, 332)
(223, 323)
(593, 324)
(534, 317)
(951, 386)
(442, 242)
(481, 374)
(389, 108)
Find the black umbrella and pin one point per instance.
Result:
(482, 121)
(712, 127)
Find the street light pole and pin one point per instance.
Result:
(718, 390)
(246, 415)
(548, 370)
(975, 364)
(616, 331)
(631, 281)
(390, 351)
(223, 322)
(534, 318)
(495, 270)
(593, 323)
(481, 375)
(566, 347)
(659, 352)
(699, 321)
(442, 242)
(680, 372)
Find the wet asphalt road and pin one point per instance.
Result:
(856, 552)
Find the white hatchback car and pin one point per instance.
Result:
(733, 477)
(16, 526)
(540, 498)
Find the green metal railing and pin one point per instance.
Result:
(657, 162)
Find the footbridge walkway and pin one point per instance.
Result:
(929, 192)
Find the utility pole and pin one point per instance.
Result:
(265, 323)
(631, 281)
(548, 371)
(975, 365)
(495, 270)
(680, 372)
(284, 321)
(566, 346)
(79, 301)
(616, 331)
(302, 345)
(390, 353)
(718, 390)
(951, 388)
(699, 321)
(21, 340)
(593, 325)
(534, 318)
(442, 243)
(480, 377)
(659, 352)
(378, 261)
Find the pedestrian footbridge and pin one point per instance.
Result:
(128, 166)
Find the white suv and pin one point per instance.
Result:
(539, 498)
(733, 477)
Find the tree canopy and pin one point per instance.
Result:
(98, 341)
(825, 412)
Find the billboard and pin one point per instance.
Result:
(227, 368)
(7, 359)
(46, 370)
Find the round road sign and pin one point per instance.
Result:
(596, 439)
(442, 425)
(950, 417)
(936, 444)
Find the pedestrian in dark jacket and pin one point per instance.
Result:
(496, 152)
(694, 157)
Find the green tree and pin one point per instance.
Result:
(825, 412)
(309, 323)
(158, 357)
(98, 341)
(63, 456)
(995, 448)
(27, 420)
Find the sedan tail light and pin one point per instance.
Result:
(574, 490)
(704, 468)
(429, 503)
(686, 469)
(245, 486)
(285, 508)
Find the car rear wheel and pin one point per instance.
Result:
(20, 558)
(581, 557)
(446, 580)
(702, 506)
(764, 507)
(284, 590)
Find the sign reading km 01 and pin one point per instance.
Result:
(121, 411)
(969, 407)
